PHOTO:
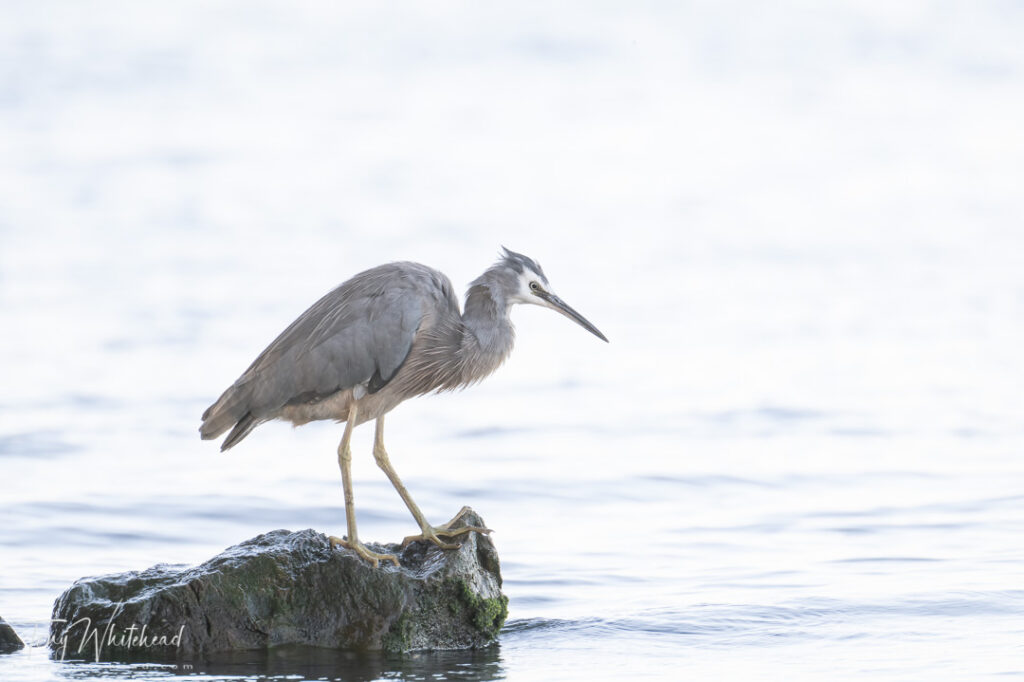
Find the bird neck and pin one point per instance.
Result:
(488, 334)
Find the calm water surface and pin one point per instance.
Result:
(802, 454)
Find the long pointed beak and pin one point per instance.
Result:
(567, 310)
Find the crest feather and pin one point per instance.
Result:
(519, 263)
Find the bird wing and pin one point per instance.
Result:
(358, 334)
(360, 331)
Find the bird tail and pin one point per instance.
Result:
(230, 410)
(241, 430)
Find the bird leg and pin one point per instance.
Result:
(427, 532)
(345, 462)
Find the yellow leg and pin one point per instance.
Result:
(345, 463)
(427, 532)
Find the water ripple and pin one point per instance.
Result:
(729, 622)
(36, 444)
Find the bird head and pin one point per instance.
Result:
(531, 286)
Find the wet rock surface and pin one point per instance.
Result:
(9, 640)
(289, 588)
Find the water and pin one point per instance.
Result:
(800, 227)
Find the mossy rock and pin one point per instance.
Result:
(289, 588)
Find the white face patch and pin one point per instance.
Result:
(525, 293)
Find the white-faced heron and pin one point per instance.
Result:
(387, 334)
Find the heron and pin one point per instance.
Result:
(387, 334)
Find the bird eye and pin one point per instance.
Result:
(534, 287)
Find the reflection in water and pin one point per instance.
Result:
(309, 663)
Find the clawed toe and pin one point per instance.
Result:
(359, 548)
(424, 537)
(434, 534)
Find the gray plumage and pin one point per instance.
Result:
(389, 333)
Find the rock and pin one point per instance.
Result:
(9, 640)
(283, 588)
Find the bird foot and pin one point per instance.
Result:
(434, 533)
(359, 548)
